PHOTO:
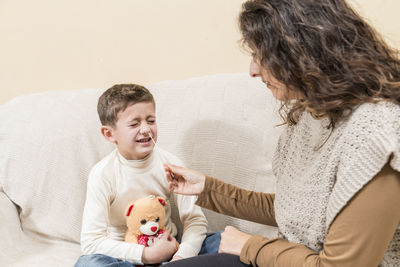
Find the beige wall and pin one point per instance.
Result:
(76, 44)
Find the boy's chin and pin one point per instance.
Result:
(144, 152)
(140, 153)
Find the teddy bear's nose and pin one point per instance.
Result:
(153, 228)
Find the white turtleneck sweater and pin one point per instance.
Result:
(113, 184)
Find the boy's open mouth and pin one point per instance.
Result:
(144, 140)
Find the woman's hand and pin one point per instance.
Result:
(162, 249)
(184, 181)
(232, 241)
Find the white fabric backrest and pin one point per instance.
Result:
(225, 127)
(49, 142)
(222, 125)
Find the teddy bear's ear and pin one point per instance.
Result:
(129, 210)
(162, 201)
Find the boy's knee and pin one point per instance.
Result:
(211, 243)
(94, 260)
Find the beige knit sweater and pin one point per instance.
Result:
(319, 170)
(361, 230)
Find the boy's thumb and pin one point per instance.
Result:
(165, 235)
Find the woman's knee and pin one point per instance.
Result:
(210, 260)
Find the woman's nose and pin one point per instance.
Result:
(254, 69)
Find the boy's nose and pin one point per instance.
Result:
(145, 129)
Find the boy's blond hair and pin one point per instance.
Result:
(118, 98)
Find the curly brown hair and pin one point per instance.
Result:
(118, 98)
(324, 50)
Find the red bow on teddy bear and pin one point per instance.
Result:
(147, 240)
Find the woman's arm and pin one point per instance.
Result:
(240, 203)
(359, 236)
(221, 197)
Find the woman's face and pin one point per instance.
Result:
(278, 89)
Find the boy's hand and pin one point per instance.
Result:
(162, 249)
(175, 258)
(184, 181)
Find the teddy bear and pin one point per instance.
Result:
(145, 220)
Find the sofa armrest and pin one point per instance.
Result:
(10, 225)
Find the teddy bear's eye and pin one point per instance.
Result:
(157, 219)
(143, 221)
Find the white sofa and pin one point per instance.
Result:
(223, 125)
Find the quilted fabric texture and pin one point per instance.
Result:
(222, 125)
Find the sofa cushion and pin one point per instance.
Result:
(49, 144)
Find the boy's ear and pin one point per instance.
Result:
(108, 133)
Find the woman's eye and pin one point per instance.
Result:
(151, 121)
(143, 221)
(157, 219)
(134, 125)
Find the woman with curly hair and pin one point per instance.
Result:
(337, 163)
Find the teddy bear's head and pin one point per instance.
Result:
(146, 215)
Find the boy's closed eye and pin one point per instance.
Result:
(133, 123)
(151, 119)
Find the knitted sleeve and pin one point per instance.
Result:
(370, 139)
